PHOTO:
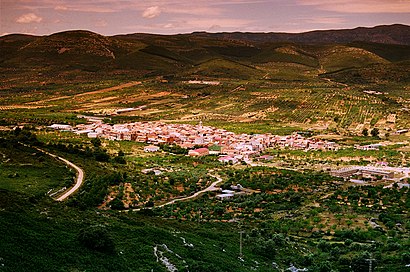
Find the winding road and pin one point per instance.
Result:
(210, 188)
(80, 175)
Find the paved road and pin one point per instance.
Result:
(80, 175)
(210, 188)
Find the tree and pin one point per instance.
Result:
(362, 262)
(375, 132)
(96, 142)
(120, 158)
(101, 156)
(116, 204)
(96, 238)
(365, 132)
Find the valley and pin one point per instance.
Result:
(205, 151)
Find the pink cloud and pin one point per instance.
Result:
(326, 20)
(151, 12)
(362, 6)
(63, 8)
(29, 18)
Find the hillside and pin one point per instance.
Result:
(73, 52)
(291, 219)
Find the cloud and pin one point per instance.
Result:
(29, 18)
(362, 6)
(151, 12)
(63, 8)
(325, 20)
(184, 25)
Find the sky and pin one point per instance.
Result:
(110, 17)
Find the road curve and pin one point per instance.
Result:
(78, 183)
(80, 175)
(210, 188)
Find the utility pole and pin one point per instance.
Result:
(370, 264)
(240, 243)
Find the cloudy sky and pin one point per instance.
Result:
(111, 17)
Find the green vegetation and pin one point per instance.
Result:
(290, 212)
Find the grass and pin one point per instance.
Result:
(134, 236)
(26, 170)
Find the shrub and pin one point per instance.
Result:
(96, 238)
(116, 204)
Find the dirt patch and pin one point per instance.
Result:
(119, 87)
(48, 100)
(105, 99)
(13, 107)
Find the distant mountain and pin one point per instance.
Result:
(387, 34)
(231, 55)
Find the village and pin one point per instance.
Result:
(198, 139)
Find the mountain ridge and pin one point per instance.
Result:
(390, 34)
(185, 55)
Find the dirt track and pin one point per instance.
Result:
(119, 87)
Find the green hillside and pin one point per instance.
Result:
(343, 57)
(221, 68)
(177, 54)
(305, 228)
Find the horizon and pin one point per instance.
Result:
(108, 17)
(209, 32)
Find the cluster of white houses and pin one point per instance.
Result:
(235, 147)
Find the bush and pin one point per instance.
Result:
(120, 160)
(116, 204)
(96, 238)
(101, 155)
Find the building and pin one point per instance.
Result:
(364, 172)
(198, 152)
(369, 147)
(228, 159)
(265, 158)
(61, 127)
(224, 196)
(151, 148)
(92, 135)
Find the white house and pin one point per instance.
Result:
(61, 126)
(151, 148)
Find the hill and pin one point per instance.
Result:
(386, 34)
(181, 55)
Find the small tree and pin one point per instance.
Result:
(375, 132)
(101, 155)
(96, 142)
(120, 158)
(365, 132)
(116, 204)
(96, 238)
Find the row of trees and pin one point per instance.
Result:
(374, 132)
